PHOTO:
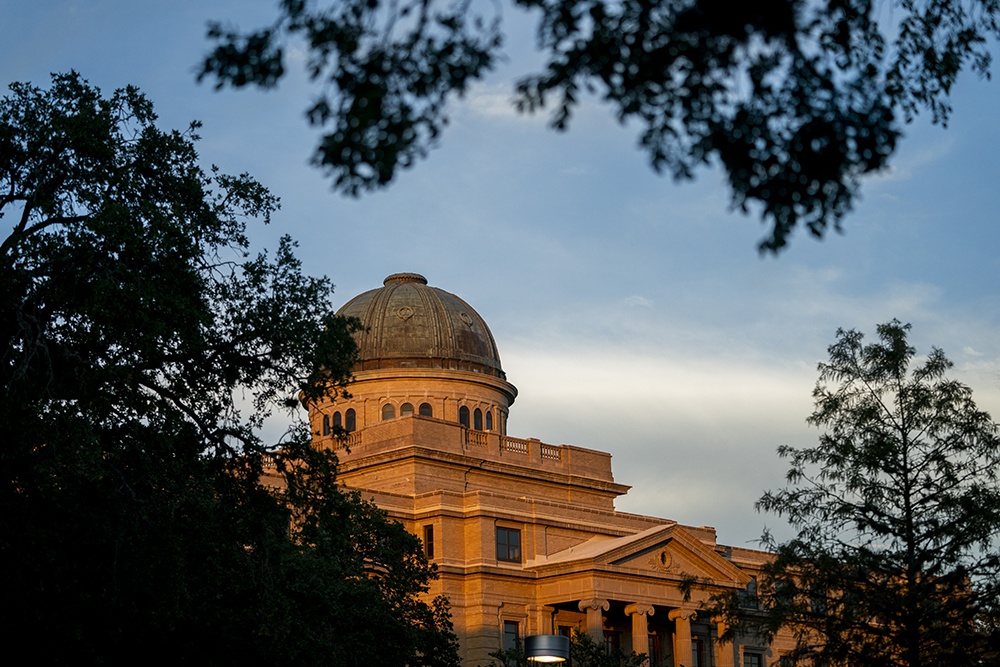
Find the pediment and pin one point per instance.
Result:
(668, 551)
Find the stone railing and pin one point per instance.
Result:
(438, 435)
(352, 441)
(476, 439)
(516, 445)
(530, 447)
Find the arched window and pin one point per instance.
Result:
(350, 421)
(426, 410)
(489, 420)
(463, 416)
(388, 412)
(326, 424)
(477, 419)
(406, 409)
(337, 424)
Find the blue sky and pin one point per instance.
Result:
(633, 313)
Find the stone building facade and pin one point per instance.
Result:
(524, 534)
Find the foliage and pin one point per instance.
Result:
(897, 512)
(796, 100)
(143, 347)
(583, 652)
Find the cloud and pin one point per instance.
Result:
(636, 300)
(493, 102)
(695, 437)
(916, 157)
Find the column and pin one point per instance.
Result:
(542, 620)
(640, 628)
(682, 636)
(595, 622)
(725, 652)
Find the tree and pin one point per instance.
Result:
(897, 512)
(583, 652)
(795, 100)
(143, 347)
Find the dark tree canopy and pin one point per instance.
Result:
(142, 347)
(583, 652)
(796, 100)
(896, 560)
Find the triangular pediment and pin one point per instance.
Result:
(668, 551)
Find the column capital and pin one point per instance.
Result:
(595, 604)
(639, 608)
(683, 614)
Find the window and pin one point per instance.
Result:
(653, 650)
(350, 420)
(463, 416)
(489, 420)
(511, 633)
(326, 424)
(426, 410)
(508, 544)
(477, 420)
(429, 542)
(406, 409)
(612, 641)
(753, 659)
(388, 412)
(784, 591)
(748, 598)
(337, 424)
(699, 656)
(817, 600)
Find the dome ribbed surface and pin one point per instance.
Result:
(409, 324)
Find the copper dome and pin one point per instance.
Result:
(411, 325)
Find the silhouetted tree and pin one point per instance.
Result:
(583, 652)
(897, 511)
(795, 99)
(142, 348)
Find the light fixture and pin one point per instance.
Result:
(546, 648)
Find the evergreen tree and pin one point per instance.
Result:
(897, 511)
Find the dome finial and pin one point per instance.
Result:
(405, 278)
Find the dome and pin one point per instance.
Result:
(409, 324)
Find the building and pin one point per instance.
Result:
(525, 534)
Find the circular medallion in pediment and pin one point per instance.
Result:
(662, 560)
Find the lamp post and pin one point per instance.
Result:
(546, 648)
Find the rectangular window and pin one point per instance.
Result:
(511, 632)
(509, 545)
(699, 656)
(429, 542)
(612, 641)
(753, 659)
(817, 600)
(748, 598)
(653, 650)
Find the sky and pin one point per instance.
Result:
(633, 313)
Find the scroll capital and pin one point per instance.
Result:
(595, 604)
(682, 614)
(639, 608)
